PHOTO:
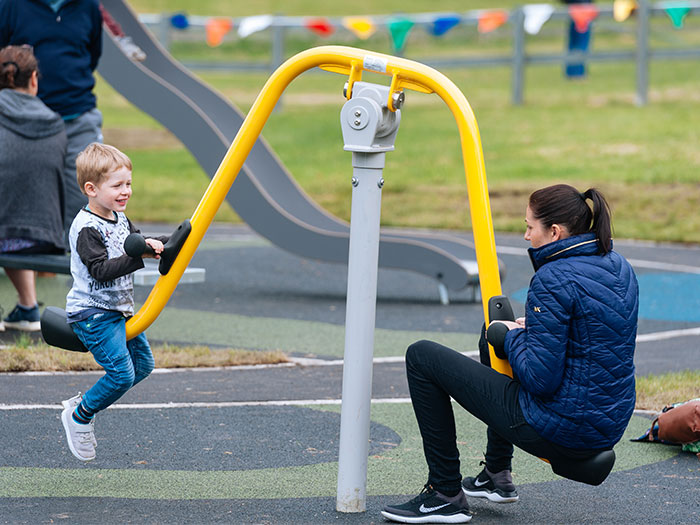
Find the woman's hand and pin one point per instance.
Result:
(510, 324)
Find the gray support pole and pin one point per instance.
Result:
(164, 31)
(359, 331)
(518, 73)
(642, 53)
(369, 131)
(278, 33)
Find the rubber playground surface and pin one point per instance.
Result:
(260, 444)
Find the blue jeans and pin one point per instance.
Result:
(126, 363)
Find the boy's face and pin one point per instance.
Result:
(112, 194)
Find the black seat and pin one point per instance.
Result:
(592, 471)
(57, 332)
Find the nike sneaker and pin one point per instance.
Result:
(497, 487)
(430, 506)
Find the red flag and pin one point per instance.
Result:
(320, 26)
(583, 15)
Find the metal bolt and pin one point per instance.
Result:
(355, 181)
(380, 183)
(358, 122)
(358, 113)
(397, 99)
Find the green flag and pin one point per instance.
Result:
(399, 29)
(677, 14)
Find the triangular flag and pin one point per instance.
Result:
(535, 17)
(583, 15)
(216, 29)
(492, 20)
(399, 28)
(677, 14)
(320, 26)
(443, 24)
(622, 9)
(362, 27)
(179, 21)
(253, 24)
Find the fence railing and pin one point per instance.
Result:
(518, 58)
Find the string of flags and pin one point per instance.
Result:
(400, 27)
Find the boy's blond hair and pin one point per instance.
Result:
(98, 160)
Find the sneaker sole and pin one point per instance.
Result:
(431, 518)
(24, 326)
(64, 419)
(491, 496)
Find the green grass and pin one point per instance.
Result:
(586, 133)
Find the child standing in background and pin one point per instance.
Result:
(102, 296)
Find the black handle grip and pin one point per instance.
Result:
(499, 310)
(135, 246)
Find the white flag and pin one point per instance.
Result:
(535, 16)
(253, 24)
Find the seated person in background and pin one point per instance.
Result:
(32, 150)
(573, 390)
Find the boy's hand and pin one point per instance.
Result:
(157, 247)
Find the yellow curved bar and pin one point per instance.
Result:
(350, 61)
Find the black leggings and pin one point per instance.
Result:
(436, 374)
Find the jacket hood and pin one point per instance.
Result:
(584, 244)
(27, 115)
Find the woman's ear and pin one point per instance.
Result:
(558, 232)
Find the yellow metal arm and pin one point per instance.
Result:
(405, 74)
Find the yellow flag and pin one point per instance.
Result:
(362, 27)
(622, 9)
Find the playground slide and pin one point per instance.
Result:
(264, 194)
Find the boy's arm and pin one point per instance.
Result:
(93, 253)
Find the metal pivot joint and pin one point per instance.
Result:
(369, 130)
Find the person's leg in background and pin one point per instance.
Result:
(25, 315)
(81, 131)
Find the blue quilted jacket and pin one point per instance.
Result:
(574, 359)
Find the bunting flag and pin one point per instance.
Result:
(362, 27)
(443, 24)
(253, 24)
(399, 28)
(320, 26)
(622, 9)
(536, 15)
(216, 29)
(179, 21)
(492, 20)
(677, 14)
(583, 15)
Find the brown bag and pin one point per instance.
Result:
(680, 424)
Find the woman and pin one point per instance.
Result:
(572, 392)
(32, 149)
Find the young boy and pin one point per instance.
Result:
(102, 296)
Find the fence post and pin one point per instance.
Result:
(642, 52)
(278, 33)
(518, 73)
(164, 31)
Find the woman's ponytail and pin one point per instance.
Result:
(602, 222)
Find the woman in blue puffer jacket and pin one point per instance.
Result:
(572, 392)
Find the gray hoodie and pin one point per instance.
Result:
(32, 149)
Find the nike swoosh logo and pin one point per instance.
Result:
(478, 483)
(425, 509)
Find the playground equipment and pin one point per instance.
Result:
(264, 195)
(369, 121)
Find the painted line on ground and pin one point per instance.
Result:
(669, 334)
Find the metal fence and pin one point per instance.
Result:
(518, 58)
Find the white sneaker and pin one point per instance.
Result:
(73, 403)
(2, 326)
(80, 437)
(130, 49)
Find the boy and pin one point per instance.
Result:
(102, 296)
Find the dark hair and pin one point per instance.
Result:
(564, 205)
(17, 63)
